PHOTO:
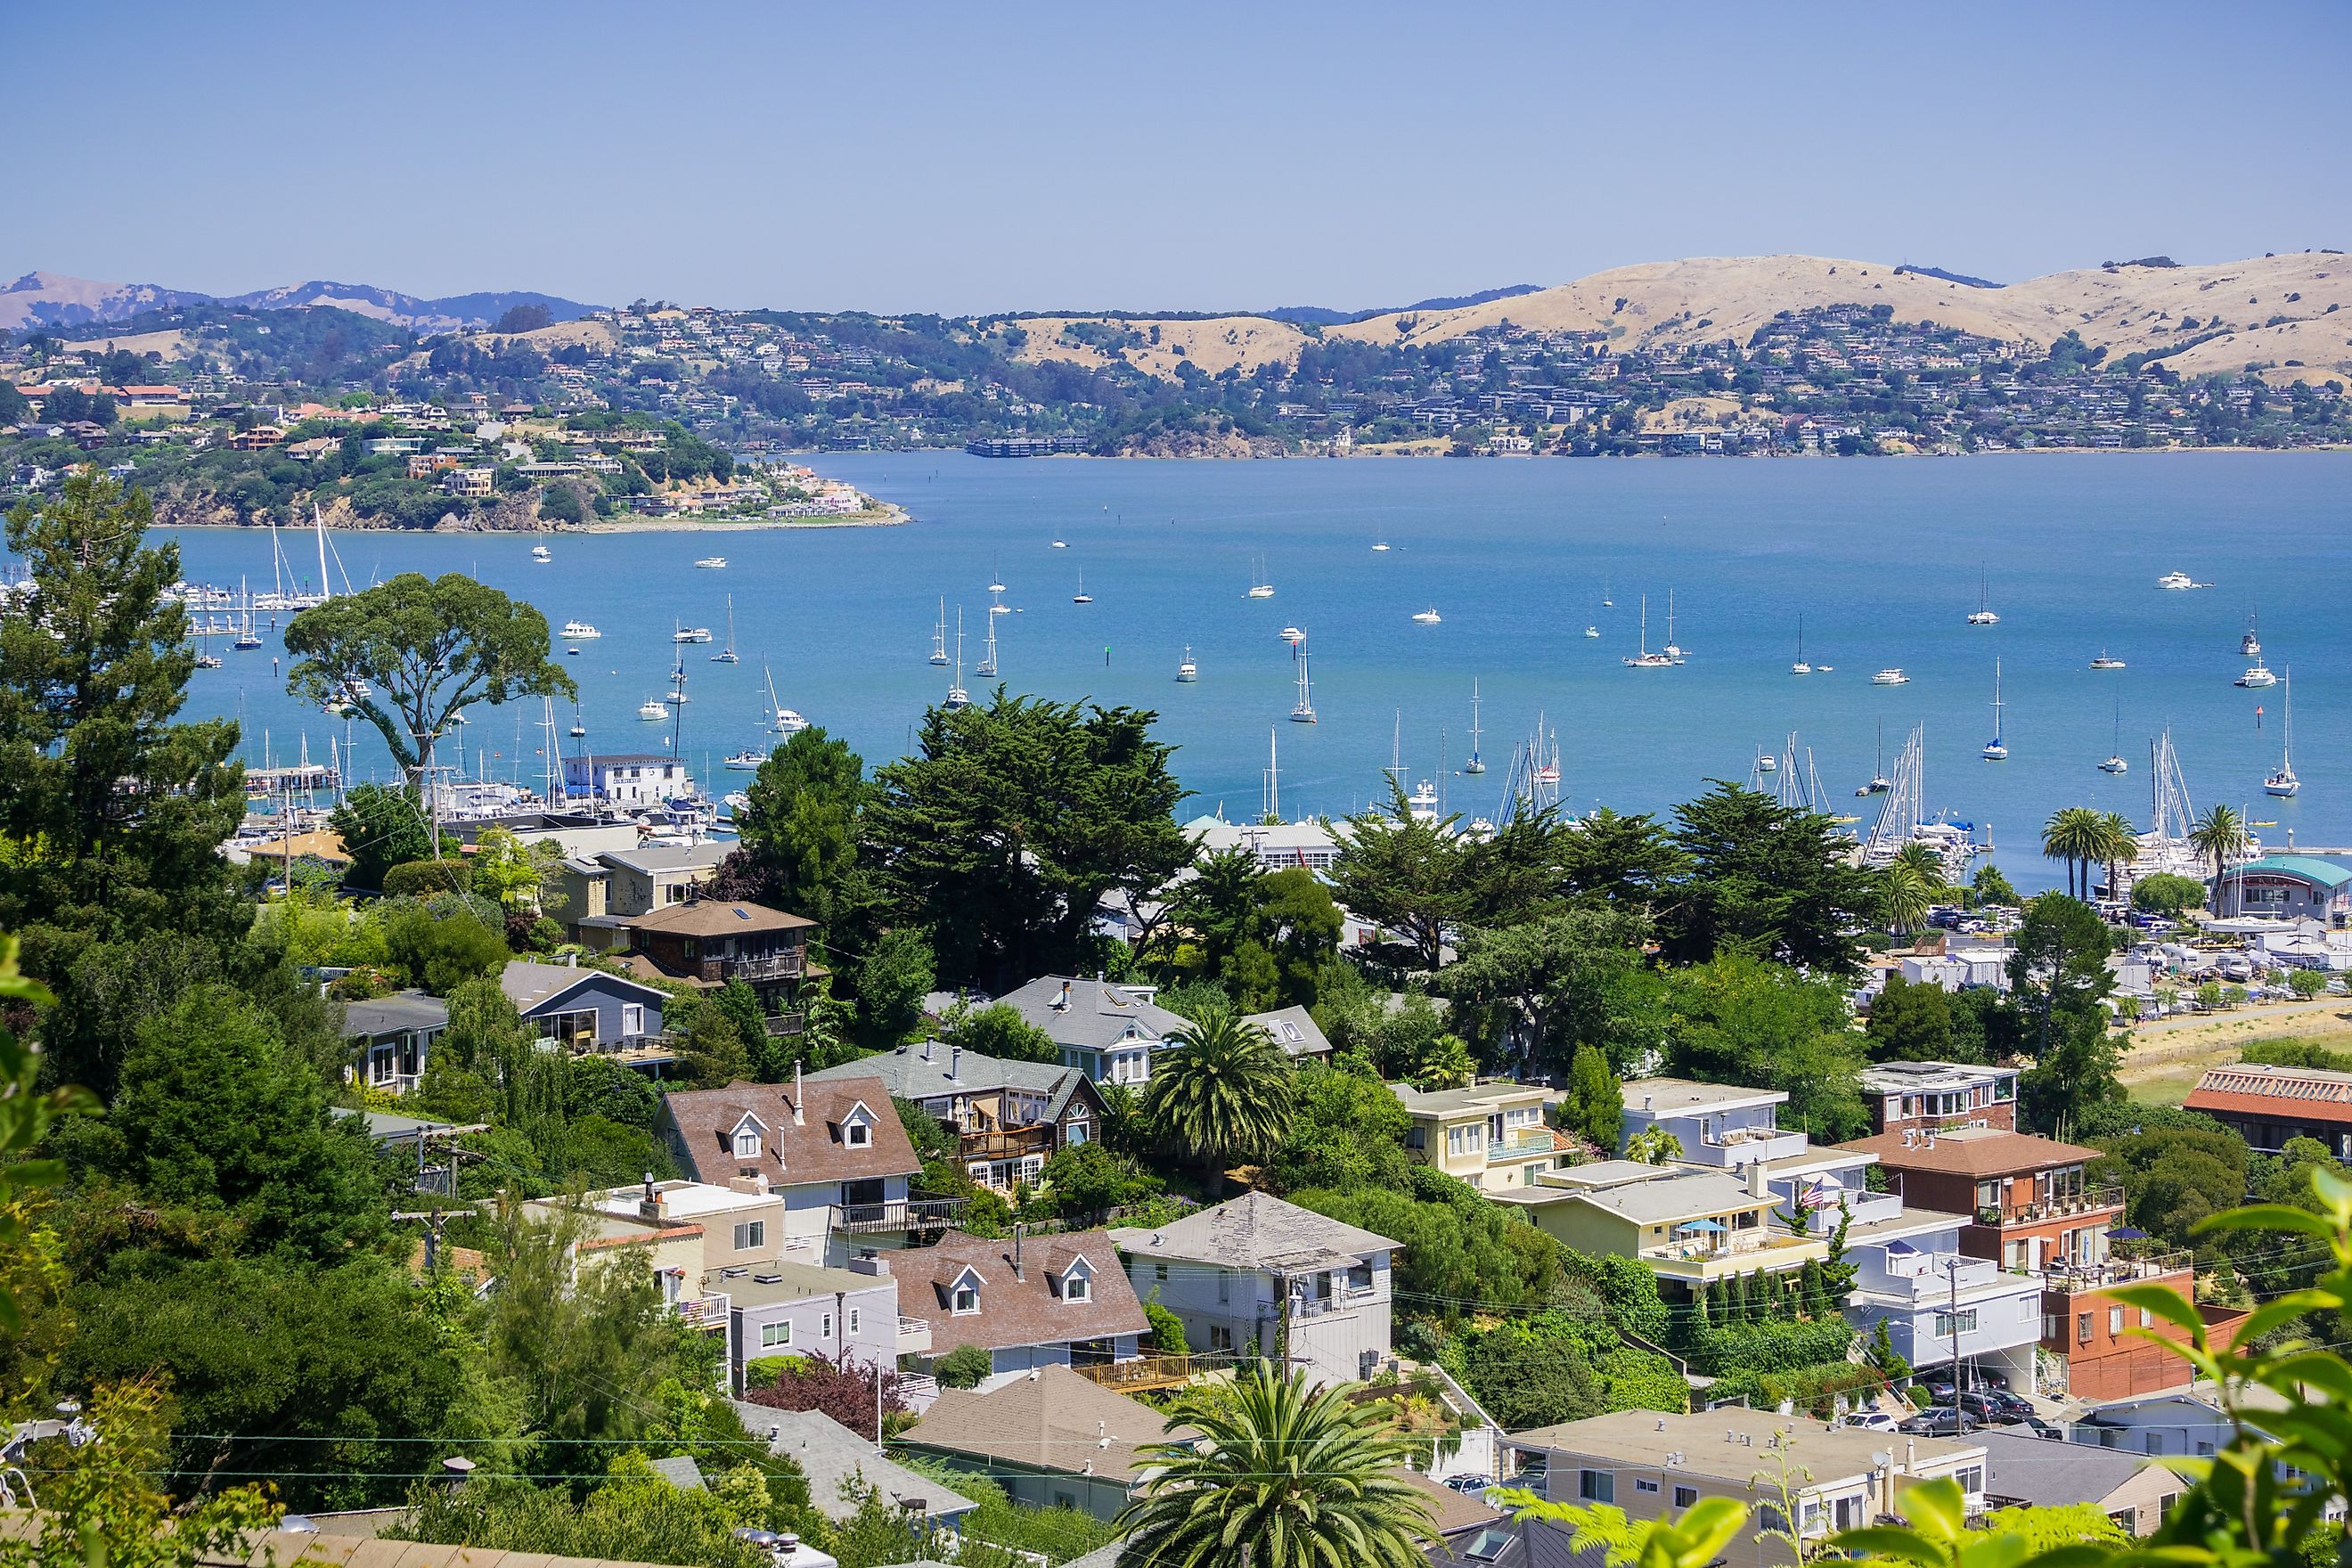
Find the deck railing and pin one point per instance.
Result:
(1155, 1371)
(910, 1214)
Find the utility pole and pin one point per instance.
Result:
(1952, 1273)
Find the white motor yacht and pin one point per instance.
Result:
(746, 761)
(579, 631)
(653, 711)
(2257, 674)
(2106, 661)
(712, 562)
(2174, 581)
(1890, 676)
(1428, 618)
(1188, 670)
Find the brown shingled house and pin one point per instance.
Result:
(837, 1146)
(707, 943)
(1030, 1301)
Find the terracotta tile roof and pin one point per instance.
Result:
(2301, 1094)
(815, 1149)
(1023, 1309)
(1971, 1151)
(1051, 1419)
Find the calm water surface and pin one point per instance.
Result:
(1882, 561)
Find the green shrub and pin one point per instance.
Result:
(1167, 1336)
(770, 1370)
(416, 879)
(1769, 1347)
(963, 1367)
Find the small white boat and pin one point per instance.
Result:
(1766, 762)
(2106, 661)
(1800, 667)
(1428, 618)
(1891, 676)
(1082, 597)
(2174, 581)
(1060, 544)
(1187, 670)
(653, 711)
(2115, 763)
(1303, 712)
(728, 654)
(579, 631)
(2250, 644)
(1592, 631)
(1645, 659)
(789, 721)
(746, 761)
(1292, 636)
(940, 637)
(578, 728)
(2257, 674)
(541, 554)
(1379, 547)
(712, 562)
(573, 650)
(1259, 587)
(2282, 782)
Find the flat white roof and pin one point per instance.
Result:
(1668, 1095)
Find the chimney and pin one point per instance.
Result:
(1061, 1004)
(1931, 1137)
(800, 1115)
(1648, 1100)
(1017, 1231)
(1910, 1137)
(928, 1043)
(1756, 1186)
(955, 1063)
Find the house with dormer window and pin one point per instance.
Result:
(1109, 1032)
(833, 1151)
(1029, 1302)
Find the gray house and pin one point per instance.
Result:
(1109, 1031)
(585, 1010)
(390, 1036)
(829, 1454)
(1009, 1117)
(1296, 1031)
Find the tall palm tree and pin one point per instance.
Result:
(1924, 860)
(2072, 835)
(2118, 843)
(1286, 1476)
(1223, 1089)
(1904, 897)
(2221, 836)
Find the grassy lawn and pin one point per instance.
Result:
(2163, 1062)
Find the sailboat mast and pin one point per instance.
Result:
(319, 528)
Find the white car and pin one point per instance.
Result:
(1872, 1420)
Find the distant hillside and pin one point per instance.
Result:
(1318, 316)
(54, 299)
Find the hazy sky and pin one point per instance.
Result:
(1198, 156)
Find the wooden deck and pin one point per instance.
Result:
(1154, 1371)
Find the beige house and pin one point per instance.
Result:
(1688, 1224)
(1653, 1465)
(1491, 1135)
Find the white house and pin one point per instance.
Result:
(1250, 1269)
(1109, 1031)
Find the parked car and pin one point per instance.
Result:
(2034, 1426)
(1469, 1486)
(1872, 1420)
(1995, 1406)
(1940, 1422)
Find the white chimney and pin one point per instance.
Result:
(955, 1063)
(1756, 1186)
(800, 1116)
(1061, 1004)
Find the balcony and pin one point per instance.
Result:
(771, 967)
(914, 1336)
(1867, 1208)
(1522, 1144)
(702, 1312)
(1006, 1143)
(909, 1213)
(1712, 1256)
(2090, 1200)
(1148, 1372)
(780, 1025)
(2077, 1279)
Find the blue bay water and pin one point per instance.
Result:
(1881, 559)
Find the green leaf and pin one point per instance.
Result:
(2272, 1314)
(1938, 1507)
(2165, 1303)
(2268, 1217)
(1889, 1540)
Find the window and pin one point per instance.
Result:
(2082, 1328)
(632, 1019)
(857, 1133)
(1224, 1286)
(1971, 1479)
(673, 894)
(2164, 1505)
(1647, 1487)
(965, 1300)
(1686, 1495)
(1077, 1286)
(1076, 1134)
(1221, 1338)
(825, 1327)
(2049, 1325)
(750, 1233)
(2147, 1321)
(2155, 1443)
(1416, 1138)
(1596, 1485)
(775, 1336)
(857, 1319)
(2127, 1520)
(747, 1144)
(1945, 1326)
(2114, 1320)
(1160, 1271)
(1360, 1278)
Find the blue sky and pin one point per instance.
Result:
(1200, 156)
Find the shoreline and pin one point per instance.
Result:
(889, 515)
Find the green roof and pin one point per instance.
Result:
(2327, 873)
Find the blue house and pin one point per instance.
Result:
(585, 1010)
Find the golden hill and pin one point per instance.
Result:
(1711, 297)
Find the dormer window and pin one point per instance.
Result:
(857, 1127)
(1078, 1284)
(963, 1296)
(745, 1138)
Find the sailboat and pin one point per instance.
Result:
(727, 655)
(1879, 782)
(245, 638)
(2284, 783)
(1673, 650)
(2250, 644)
(1476, 765)
(1304, 713)
(1606, 602)
(1645, 659)
(2115, 763)
(1995, 750)
(940, 637)
(1800, 667)
(995, 578)
(1187, 670)
(1983, 615)
(1080, 597)
(2106, 661)
(986, 668)
(1259, 587)
(957, 696)
(678, 683)
(578, 728)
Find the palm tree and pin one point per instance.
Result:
(1287, 1476)
(1223, 1089)
(2219, 836)
(2118, 843)
(1924, 860)
(1904, 897)
(2072, 835)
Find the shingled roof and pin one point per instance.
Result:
(801, 1132)
(1970, 1151)
(1023, 1308)
(1255, 1231)
(1049, 1419)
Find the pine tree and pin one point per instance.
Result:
(1699, 1320)
(1596, 1099)
(1816, 1290)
